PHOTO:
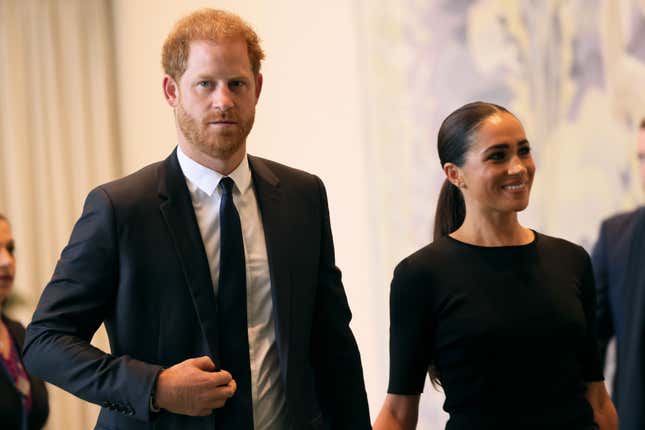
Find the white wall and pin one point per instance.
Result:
(309, 116)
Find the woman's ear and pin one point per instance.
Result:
(454, 175)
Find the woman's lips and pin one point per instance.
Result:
(516, 186)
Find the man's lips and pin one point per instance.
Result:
(221, 122)
(6, 278)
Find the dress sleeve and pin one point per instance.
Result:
(410, 336)
(591, 363)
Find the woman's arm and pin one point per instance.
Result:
(603, 408)
(399, 412)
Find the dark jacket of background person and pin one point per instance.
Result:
(10, 398)
(619, 266)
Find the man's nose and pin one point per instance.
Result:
(223, 98)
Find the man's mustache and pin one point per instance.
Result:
(220, 118)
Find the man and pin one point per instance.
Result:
(618, 260)
(213, 272)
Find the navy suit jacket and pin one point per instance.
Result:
(136, 262)
(619, 265)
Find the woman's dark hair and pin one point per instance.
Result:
(453, 142)
(643, 123)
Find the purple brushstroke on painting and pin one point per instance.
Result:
(625, 177)
(587, 70)
(636, 44)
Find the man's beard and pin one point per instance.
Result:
(220, 144)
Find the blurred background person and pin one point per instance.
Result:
(620, 282)
(23, 398)
(502, 316)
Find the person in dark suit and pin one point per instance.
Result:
(23, 397)
(618, 258)
(213, 272)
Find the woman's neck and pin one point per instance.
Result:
(494, 230)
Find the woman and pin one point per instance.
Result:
(23, 399)
(501, 316)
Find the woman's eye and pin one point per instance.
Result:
(496, 156)
(525, 150)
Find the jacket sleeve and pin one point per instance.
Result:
(335, 356)
(79, 297)
(604, 323)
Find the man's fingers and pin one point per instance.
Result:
(222, 377)
(192, 387)
(203, 363)
(228, 390)
(216, 397)
(233, 385)
(222, 392)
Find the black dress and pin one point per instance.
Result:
(11, 413)
(510, 331)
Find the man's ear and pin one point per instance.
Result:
(454, 175)
(170, 90)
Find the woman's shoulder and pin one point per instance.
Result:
(427, 258)
(558, 247)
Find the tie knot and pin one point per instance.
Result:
(227, 185)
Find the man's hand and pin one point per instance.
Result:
(193, 388)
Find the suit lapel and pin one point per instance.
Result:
(275, 223)
(177, 209)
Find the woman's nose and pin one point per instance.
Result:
(5, 257)
(516, 166)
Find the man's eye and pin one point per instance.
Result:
(205, 84)
(236, 84)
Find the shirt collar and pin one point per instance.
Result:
(207, 179)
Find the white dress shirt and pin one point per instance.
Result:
(269, 404)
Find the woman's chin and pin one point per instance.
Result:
(5, 289)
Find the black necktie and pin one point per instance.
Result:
(237, 414)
